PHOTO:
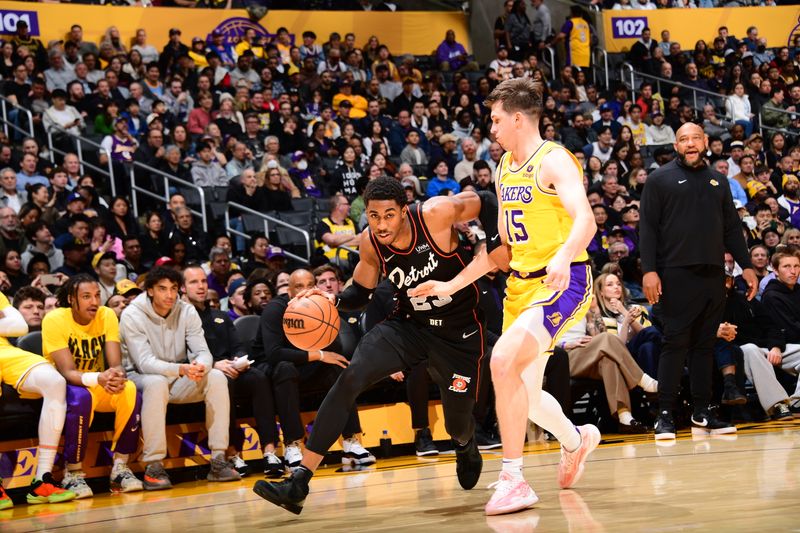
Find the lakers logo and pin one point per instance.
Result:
(714, 182)
(555, 319)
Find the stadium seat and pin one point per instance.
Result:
(247, 328)
(32, 342)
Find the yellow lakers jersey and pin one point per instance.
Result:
(580, 43)
(536, 222)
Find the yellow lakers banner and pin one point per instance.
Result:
(414, 32)
(686, 26)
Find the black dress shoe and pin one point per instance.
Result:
(634, 428)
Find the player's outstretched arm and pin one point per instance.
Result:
(12, 323)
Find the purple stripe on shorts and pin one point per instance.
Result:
(563, 308)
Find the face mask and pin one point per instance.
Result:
(302, 165)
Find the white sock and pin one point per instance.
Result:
(120, 458)
(648, 384)
(625, 417)
(513, 467)
(45, 456)
(544, 410)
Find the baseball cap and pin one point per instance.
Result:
(275, 252)
(616, 229)
(99, 256)
(164, 260)
(75, 196)
(197, 40)
(448, 137)
(292, 71)
(73, 244)
(235, 284)
(737, 144)
(126, 287)
(754, 187)
(502, 46)
(412, 181)
(346, 103)
(753, 137)
(174, 31)
(627, 208)
(151, 117)
(605, 107)
(747, 54)
(297, 156)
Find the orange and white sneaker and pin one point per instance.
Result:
(570, 469)
(47, 490)
(510, 495)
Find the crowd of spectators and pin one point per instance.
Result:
(302, 127)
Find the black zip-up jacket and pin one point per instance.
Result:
(687, 219)
(220, 333)
(271, 344)
(753, 323)
(783, 305)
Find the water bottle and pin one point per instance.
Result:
(386, 444)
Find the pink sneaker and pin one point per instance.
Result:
(570, 468)
(510, 495)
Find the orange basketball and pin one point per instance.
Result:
(311, 323)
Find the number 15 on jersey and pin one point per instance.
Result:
(515, 227)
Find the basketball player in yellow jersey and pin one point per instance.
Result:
(548, 224)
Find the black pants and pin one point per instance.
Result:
(418, 395)
(556, 381)
(256, 387)
(692, 305)
(289, 381)
(377, 358)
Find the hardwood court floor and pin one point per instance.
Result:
(750, 483)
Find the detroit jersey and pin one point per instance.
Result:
(536, 222)
(423, 260)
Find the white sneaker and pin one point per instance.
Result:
(355, 453)
(75, 482)
(123, 480)
(239, 465)
(273, 466)
(293, 455)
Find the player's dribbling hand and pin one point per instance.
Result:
(431, 288)
(305, 293)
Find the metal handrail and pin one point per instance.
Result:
(267, 220)
(167, 179)
(622, 68)
(4, 102)
(659, 80)
(595, 66)
(79, 140)
(552, 53)
(763, 128)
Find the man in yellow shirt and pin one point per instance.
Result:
(81, 338)
(358, 102)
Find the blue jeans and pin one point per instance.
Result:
(645, 347)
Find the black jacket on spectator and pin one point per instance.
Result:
(195, 242)
(153, 248)
(783, 305)
(278, 200)
(753, 323)
(221, 337)
(257, 201)
(271, 345)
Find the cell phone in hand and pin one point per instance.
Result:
(50, 279)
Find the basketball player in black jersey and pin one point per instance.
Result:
(408, 245)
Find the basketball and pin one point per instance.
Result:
(311, 323)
